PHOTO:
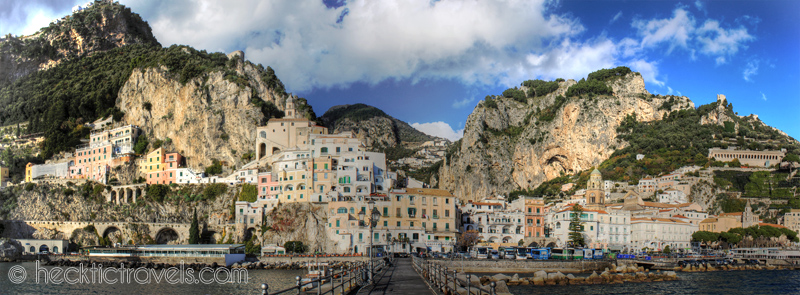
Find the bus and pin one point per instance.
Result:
(510, 253)
(523, 253)
(562, 253)
(588, 253)
(598, 254)
(481, 252)
(576, 254)
(540, 254)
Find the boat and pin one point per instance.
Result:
(316, 270)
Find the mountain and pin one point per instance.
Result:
(204, 105)
(101, 27)
(544, 130)
(374, 127)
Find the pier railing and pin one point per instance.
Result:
(447, 280)
(342, 281)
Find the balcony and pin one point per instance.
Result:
(435, 216)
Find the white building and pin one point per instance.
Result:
(499, 227)
(672, 196)
(656, 233)
(601, 229)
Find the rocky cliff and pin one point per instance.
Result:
(510, 145)
(102, 27)
(372, 126)
(211, 116)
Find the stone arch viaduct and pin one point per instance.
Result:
(126, 193)
(160, 232)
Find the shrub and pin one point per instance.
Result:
(489, 102)
(29, 186)
(157, 192)
(213, 190)
(249, 193)
(215, 168)
(515, 94)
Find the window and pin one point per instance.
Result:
(385, 223)
(337, 222)
(398, 223)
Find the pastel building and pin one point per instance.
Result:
(160, 167)
(410, 219)
(290, 132)
(106, 149)
(656, 233)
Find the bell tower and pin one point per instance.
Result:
(595, 195)
(291, 112)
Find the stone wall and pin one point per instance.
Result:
(525, 266)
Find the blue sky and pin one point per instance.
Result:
(430, 62)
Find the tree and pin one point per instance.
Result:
(294, 247)
(194, 229)
(468, 239)
(576, 227)
(147, 106)
(705, 236)
(215, 168)
(666, 250)
(251, 247)
(792, 158)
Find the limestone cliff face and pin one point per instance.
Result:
(102, 27)
(210, 117)
(299, 222)
(511, 146)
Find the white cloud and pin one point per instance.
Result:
(616, 17)
(750, 70)
(675, 31)
(482, 42)
(462, 103)
(715, 40)
(699, 5)
(440, 129)
(763, 96)
(680, 32)
(649, 71)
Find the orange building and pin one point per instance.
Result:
(160, 167)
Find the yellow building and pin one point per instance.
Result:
(152, 162)
(29, 172)
(294, 186)
(410, 218)
(4, 176)
(791, 220)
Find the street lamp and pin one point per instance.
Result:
(375, 215)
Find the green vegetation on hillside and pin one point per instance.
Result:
(760, 184)
(360, 112)
(540, 87)
(515, 94)
(595, 84)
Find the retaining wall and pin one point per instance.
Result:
(525, 266)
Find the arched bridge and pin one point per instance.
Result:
(161, 233)
(126, 193)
